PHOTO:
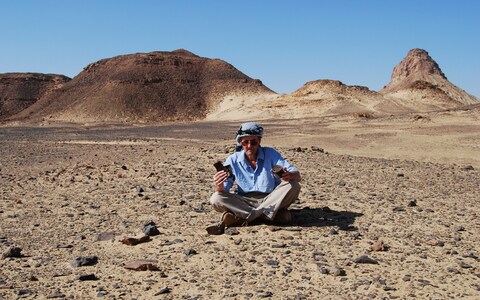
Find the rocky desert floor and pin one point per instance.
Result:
(389, 209)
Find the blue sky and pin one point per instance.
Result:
(283, 43)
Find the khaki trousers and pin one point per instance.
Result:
(253, 205)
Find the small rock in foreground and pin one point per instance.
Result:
(365, 260)
(84, 261)
(12, 252)
(142, 265)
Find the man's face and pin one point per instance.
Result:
(250, 144)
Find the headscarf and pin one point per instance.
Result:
(248, 129)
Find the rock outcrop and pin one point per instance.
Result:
(418, 77)
(145, 87)
(20, 90)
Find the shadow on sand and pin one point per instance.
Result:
(321, 217)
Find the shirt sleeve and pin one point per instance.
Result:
(283, 162)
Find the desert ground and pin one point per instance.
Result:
(407, 185)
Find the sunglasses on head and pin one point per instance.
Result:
(251, 142)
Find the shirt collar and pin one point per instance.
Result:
(260, 155)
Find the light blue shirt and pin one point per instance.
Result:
(259, 180)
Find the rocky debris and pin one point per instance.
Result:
(105, 236)
(231, 231)
(365, 260)
(81, 261)
(468, 168)
(86, 277)
(162, 291)
(14, 252)
(150, 229)
(56, 295)
(228, 266)
(142, 265)
(131, 241)
(189, 252)
(378, 246)
(216, 229)
(335, 270)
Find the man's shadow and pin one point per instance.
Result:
(320, 217)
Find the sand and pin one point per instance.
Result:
(411, 182)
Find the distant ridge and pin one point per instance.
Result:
(173, 86)
(144, 87)
(20, 90)
(419, 77)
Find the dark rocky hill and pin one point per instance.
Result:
(20, 90)
(144, 87)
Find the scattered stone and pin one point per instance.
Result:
(459, 228)
(400, 175)
(399, 209)
(231, 231)
(14, 252)
(105, 236)
(151, 229)
(84, 261)
(464, 265)
(139, 189)
(342, 183)
(337, 271)
(165, 290)
(453, 270)
(323, 270)
(274, 228)
(272, 262)
(317, 149)
(141, 265)
(189, 252)
(435, 243)
(365, 260)
(64, 246)
(86, 277)
(332, 231)
(378, 246)
(467, 168)
(216, 229)
(24, 292)
(450, 252)
(135, 241)
(412, 203)
(56, 295)
(265, 295)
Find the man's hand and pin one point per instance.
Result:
(219, 179)
(288, 176)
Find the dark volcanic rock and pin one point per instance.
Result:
(155, 86)
(20, 90)
(84, 261)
